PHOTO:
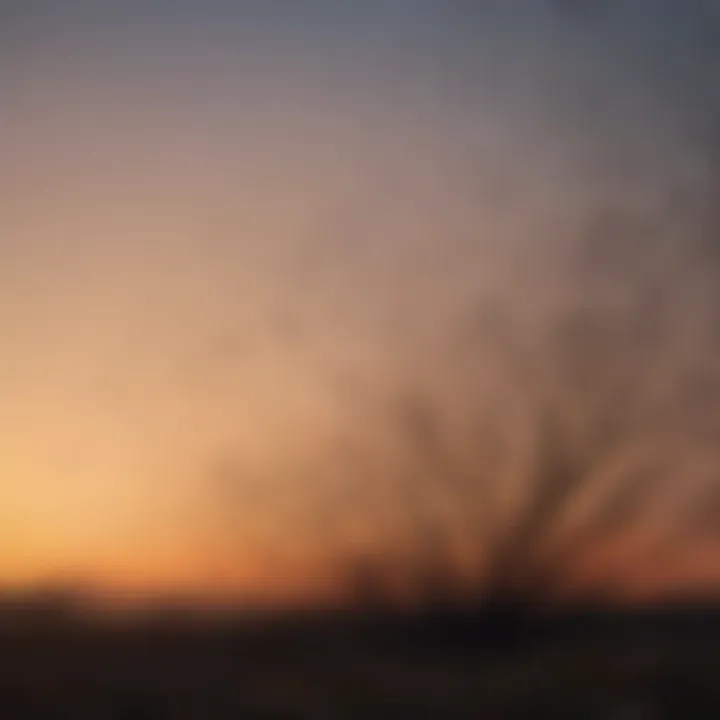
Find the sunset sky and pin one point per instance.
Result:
(225, 227)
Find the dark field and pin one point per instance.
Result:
(660, 664)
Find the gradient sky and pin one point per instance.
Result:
(219, 220)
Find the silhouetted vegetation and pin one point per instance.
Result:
(588, 414)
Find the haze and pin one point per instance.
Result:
(221, 224)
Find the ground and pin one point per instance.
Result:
(349, 667)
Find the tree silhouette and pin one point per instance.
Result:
(606, 421)
(596, 440)
(522, 558)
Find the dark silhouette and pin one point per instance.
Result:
(600, 426)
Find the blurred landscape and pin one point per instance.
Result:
(360, 360)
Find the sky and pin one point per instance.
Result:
(229, 232)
